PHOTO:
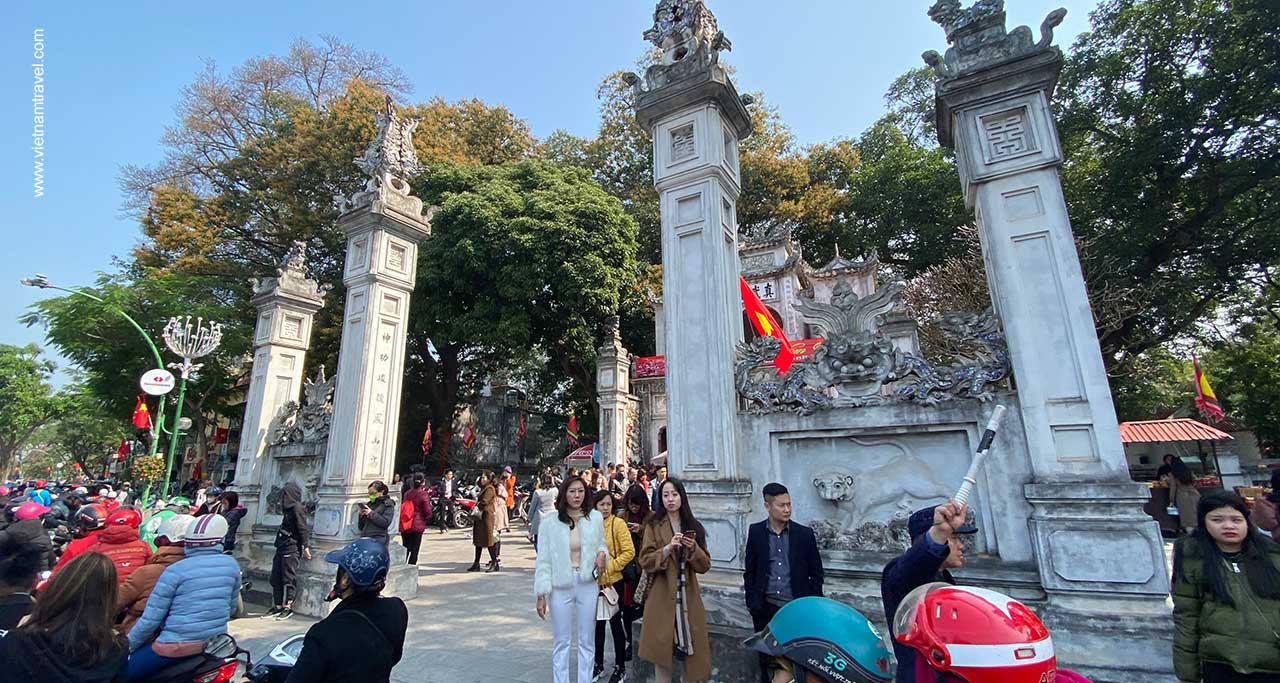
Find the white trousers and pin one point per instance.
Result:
(574, 609)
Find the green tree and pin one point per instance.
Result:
(523, 259)
(28, 399)
(1245, 373)
(87, 434)
(1156, 381)
(111, 355)
(1168, 114)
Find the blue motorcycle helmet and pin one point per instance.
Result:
(826, 639)
(364, 563)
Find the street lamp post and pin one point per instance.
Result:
(157, 425)
(191, 342)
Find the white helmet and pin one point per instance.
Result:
(206, 530)
(174, 529)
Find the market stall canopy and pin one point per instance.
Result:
(1173, 429)
(582, 458)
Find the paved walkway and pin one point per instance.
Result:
(463, 627)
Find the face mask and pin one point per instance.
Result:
(373, 497)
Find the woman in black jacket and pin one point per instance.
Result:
(376, 515)
(70, 635)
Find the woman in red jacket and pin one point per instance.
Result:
(120, 542)
(415, 510)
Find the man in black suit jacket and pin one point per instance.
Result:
(782, 562)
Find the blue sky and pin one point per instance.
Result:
(113, 75)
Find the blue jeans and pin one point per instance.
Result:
(144, 662)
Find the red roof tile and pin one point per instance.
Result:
(1162, 431)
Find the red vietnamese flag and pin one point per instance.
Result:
(141, 416)
(123, 451)
(765, 325)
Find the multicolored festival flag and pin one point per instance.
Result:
(572, 430)
(426, 439)
(141, 416)
(765, 325)
(468, 437)
(1206, 400)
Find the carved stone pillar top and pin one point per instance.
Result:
(987, 62)
(291, 285)
(689, 71)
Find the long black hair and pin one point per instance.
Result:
(1262, 576)
(636, 496)
(562, 501)
(687, 521)
(1180, 471)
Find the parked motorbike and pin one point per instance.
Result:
(222, 661)
(277, 665)
(462, 508)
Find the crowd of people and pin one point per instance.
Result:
(123, 599)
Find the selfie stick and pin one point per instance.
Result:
(984, 446)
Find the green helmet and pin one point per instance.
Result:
(827, 639)
(151, 528)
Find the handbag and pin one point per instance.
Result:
(642, 588)
(1172, 510)
(607, 604)
(631, 572)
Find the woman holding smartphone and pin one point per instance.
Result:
(571, 557)
(673, 553)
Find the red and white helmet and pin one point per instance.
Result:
(978, 635)
(124, 517)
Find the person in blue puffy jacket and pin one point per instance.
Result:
(191, 602)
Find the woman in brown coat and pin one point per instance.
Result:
(484, 534)
(675, 622)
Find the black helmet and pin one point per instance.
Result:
(90, 517)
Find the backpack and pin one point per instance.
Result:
(406, 516)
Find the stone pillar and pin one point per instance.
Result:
(613, 391)
(993, 100)
(696, 118)
(286, 305)
(383, 225)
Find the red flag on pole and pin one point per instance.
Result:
(1206, 400)
(124, 450)
(765, 325)
(572, 430)
(141, 416)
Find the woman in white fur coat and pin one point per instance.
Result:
(571, 555)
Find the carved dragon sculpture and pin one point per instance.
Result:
(968, 377)
(767, 392)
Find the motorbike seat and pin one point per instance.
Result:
(183, 669)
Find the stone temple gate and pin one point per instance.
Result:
(865, 429)
(862, 430)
